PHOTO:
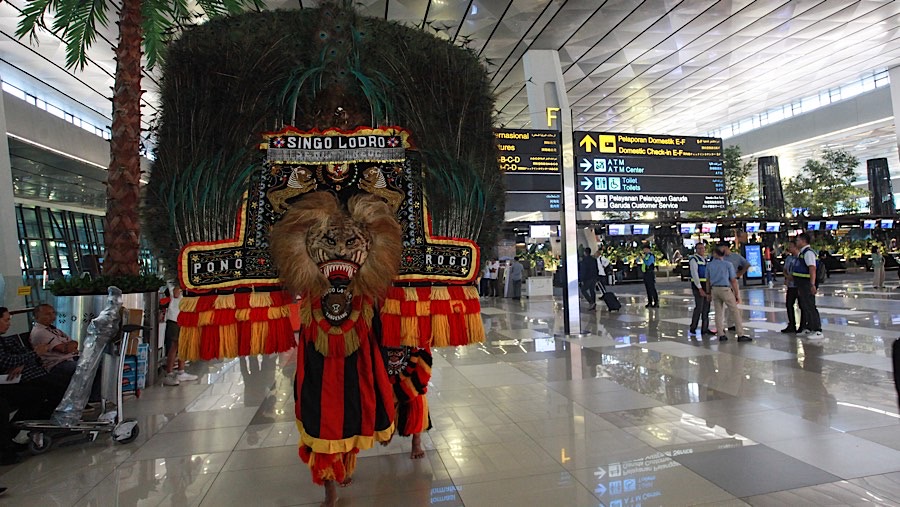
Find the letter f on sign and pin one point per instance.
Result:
(551, 115)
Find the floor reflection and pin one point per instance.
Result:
(635, 411)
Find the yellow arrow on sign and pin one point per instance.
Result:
(586, 143)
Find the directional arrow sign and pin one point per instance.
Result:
(586, 142)
(588, 201)
(599, 473)
(586, 183)
(586, 164)
(600, 490)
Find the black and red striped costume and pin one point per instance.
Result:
(409, 370)
(343, 403)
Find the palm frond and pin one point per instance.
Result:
(33, 17)
(157, 26)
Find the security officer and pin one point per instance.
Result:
(804, 274)
(791, 296)
(698, 284)
(648, 268)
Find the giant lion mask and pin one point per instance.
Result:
(327, 251)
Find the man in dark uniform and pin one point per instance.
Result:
(698, 283)
(805, 274)
(648, 268)
(791, 296)
(587, 277)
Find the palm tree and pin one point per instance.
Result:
(147, 23)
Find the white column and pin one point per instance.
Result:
(894, 75)
(546, 92)
(9, 236)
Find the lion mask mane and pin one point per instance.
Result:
(323, 249)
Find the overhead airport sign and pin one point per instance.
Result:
(531, 163)
(640, 172)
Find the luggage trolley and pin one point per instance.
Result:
(45, 434)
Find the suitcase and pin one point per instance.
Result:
(612, 302)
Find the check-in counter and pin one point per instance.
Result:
(539, 287)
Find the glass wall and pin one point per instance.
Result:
(55, 244)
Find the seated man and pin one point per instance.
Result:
(62, 355)
(35, 395)
(61, 358)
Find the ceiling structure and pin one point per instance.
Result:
(40, 175)
(654, 66)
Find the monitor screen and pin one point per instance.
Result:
(813, 226)
(887, 223)
(709, 228)
(869, 224)
(773, 227)
(542, 231)
(831, 225)
(752, 227)
(619, 229)
(640, 229)
(688, 228)
(753, 254)
(544, 344)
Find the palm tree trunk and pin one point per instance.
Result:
(122, 227)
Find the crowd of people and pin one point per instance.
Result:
(37, 367)
(36, 375)
(494, 273)
(715, 276)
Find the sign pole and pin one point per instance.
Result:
(567, 220)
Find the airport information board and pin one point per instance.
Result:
(641, 172)
(531, 163)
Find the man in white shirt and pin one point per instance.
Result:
(602, 266)
(174, 377)
(63, 350)
(494, 275)
(61, 357)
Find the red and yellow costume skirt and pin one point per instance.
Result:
(344, 404)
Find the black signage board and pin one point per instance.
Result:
(641, 172)
(531, 163)
(533, 201)
(528, 150)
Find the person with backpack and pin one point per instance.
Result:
(804, 273)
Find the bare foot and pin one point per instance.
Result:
(346, 482)
(417, 451)
(331, 497)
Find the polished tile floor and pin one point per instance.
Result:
(638, 413)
